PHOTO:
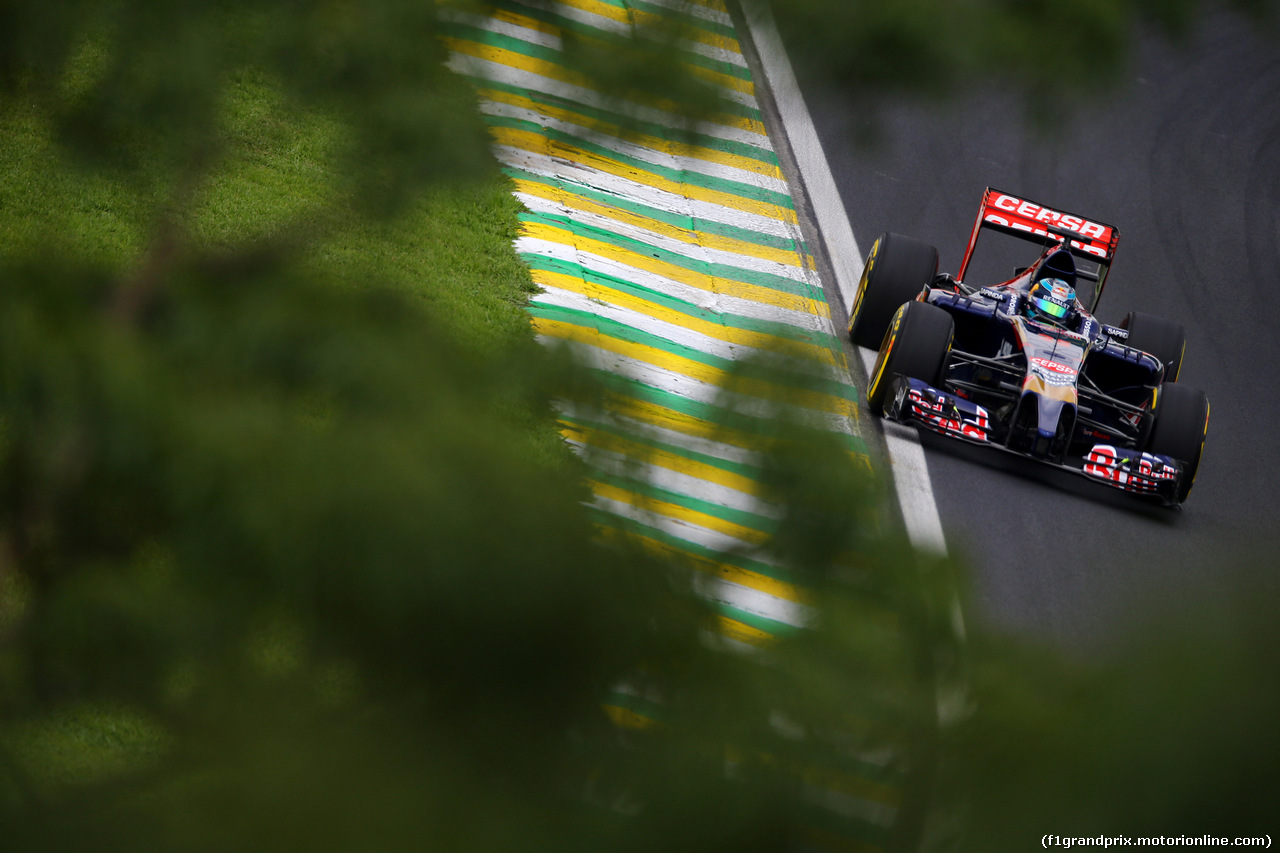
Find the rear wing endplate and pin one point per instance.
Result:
(1090, 241)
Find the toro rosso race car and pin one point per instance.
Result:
(1022, 365)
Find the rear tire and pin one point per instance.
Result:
(916, 344)
(1182, 422)
(1162, 338)
(898, 268)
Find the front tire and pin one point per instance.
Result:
(916, 345)
(898, 268)
(1162, 338)
(1181, 425)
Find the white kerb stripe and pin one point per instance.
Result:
(691, 250)
(568, 175)
(499, 73)
(710, 300)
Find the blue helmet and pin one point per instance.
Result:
(1051, 299)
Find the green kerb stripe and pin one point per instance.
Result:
(686, 19)
(636, 705)
(750, 472)
(719, 66)
(779, 283)
(692, 21)
(594, 117)
(555, 19)
(466, 32)
(784, 379)
(687, 223)
(742, 518)
(679, 176)
(480, 35)
(760, 623)
(713, 416)
(775, 329)
(692, 548)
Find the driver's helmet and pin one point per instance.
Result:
(1051, 299)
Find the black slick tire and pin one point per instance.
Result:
(1162, 338)
(915, 344)
(1181, 424)
(898, 268)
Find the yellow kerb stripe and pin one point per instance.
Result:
(629, 719)
(554, 71)
(725, 81)
(628, 16)
(691, 278)
(661, 458)
(738, 337)
(742, 632)
(536, 143)
(574, 201)
(524, 21)
(661, 416)
(734, 574)
(667, 146)
(693, 369)
(679, 513)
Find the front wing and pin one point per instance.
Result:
(916, 402)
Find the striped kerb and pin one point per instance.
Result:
(667, 256)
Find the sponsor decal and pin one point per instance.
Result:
(1053, 297)
(1134, 472)
(1049, 216)
(1089, 329)
(991, 293)
(941, 414)
(1052, 372)
(1117, 333)
(1022, 215)
(1053, 365)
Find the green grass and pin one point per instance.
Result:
(277, 180)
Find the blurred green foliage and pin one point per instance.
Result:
(290, 557)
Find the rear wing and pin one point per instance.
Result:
(1089, 241)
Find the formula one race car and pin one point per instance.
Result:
(1023, 365)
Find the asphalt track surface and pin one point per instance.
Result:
(1184, 158)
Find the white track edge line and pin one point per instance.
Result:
(828, 207)
(906, 456)
(911, 476)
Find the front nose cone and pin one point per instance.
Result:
(1051, 418)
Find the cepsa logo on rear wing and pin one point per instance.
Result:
(1016, 214)
(1020, 217)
